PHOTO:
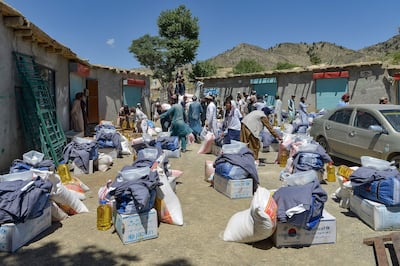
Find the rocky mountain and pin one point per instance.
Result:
(306, 54)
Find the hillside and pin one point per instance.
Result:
(303, 54)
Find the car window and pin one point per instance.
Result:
(365, 119)
(341, 116)
(393, 117)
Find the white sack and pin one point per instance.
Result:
(256, 223)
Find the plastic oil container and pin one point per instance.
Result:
(63, 172)
(345, 171)
(283, 156)
(330, 170)
(104, 214)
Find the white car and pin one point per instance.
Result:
(356, 130)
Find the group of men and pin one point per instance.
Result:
(185, 118)
(132, 118)
(244, 119)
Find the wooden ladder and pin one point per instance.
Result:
(380, 248)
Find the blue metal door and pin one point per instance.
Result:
(132, 95)
(329, 92)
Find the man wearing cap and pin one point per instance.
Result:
(140, 120)
(383, 100)
(166, 121)
(211, 115)
(344, 100)
(278, 110)
(194, 114)
(252, 125)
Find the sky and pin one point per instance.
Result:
(101, 31)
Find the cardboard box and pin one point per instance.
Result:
(234, 189)
(137, 227)
(13, 236)
(287, 235)
(375, 214)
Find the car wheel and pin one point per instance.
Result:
(396, 159)
(324, 144)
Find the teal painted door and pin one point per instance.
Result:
(267, 88)
(75, 86)
(132, 95)
(329, 92)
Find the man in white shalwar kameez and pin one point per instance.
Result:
(211, 116)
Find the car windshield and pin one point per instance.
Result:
(393, 117)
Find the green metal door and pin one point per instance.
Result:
(329, 92)
(264, 86)
(132, 95)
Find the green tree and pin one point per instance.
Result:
(396, 58)
(175, 46)
(315, 59)
(247, 66)
(284, 65)
(202, 69)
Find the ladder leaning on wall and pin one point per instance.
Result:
(37, 111)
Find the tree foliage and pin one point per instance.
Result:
(396, 58)
(175, 46)
(247, 66)
(202, 69)
(284, 65)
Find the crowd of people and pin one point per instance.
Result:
(132, 118)
(248, 118)
(245, 118)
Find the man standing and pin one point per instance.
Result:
(344, 100)
(303, 113)
(211, 115)
(292, 109)
(231, 124)
(252, 125)
(278, 110)
(178, 128)
(242, 104)
(140, 120)
(194, 114)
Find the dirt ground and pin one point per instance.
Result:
(76, 241)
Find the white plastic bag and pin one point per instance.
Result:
(167, 203)
(207, 144)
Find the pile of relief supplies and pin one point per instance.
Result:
(32, 185)
(108, 137)
(81, 151)
(163, 140)
(148, 183)
(299, 201)
(376, 180)
(300, 204)
(304, 154)
(236, 161)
